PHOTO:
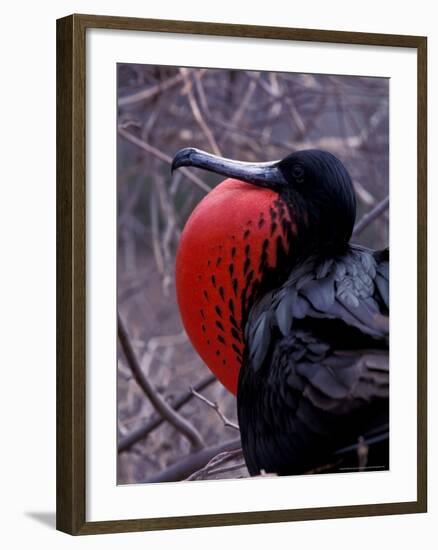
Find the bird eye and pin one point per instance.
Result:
(298, 173)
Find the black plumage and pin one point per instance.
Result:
(315, 376)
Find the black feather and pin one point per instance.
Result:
(315, 371)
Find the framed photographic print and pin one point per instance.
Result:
(239, 208)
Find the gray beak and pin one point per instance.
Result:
(262, 174)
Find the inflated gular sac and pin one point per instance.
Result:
(229, 246)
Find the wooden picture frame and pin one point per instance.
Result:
(71, 273)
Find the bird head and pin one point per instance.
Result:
(314, 185)
(243, 238)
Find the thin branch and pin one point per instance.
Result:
(155, 237)
(381, 207)
(201, 92)
(241, 109)
(148, 93)
(126, 442)
(162, 156)
(194, 462)
(273, 89)
(177, 421)
(364, 194)
(170, 231)
(216, 408)
(213, 465)
(226, 469)
(197, 113)
(374, 121)
(167, 340)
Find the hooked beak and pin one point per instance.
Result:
(262, 174)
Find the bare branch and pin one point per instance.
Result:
(241, 109)
(167, 340)
(148, 93)
(227, 469)
(192, 463)
(211, 468)
(201, 92)
(364, 194)
(126, 442)
(197, 113)
(170, 231)
(162, 156)
(216, 408)
(371, 216)
(153, 212)
(177, 421)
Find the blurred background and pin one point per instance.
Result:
(175, 421)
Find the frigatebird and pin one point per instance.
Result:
(289, 314)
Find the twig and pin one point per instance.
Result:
(162, 156)
(216, 461)
(371, 216)
(274, 91)
(198, 115)
(241, 109)
(153, 211)
(374, 121)
(226, 469)
(167, 340)
(192, 463)
(126, 442)
(201, 93)
(216, 408)
(177, 421)
(148, 93)
(169, 232)
(364, 194)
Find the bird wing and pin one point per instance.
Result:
(322, 341)
(350, 292)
